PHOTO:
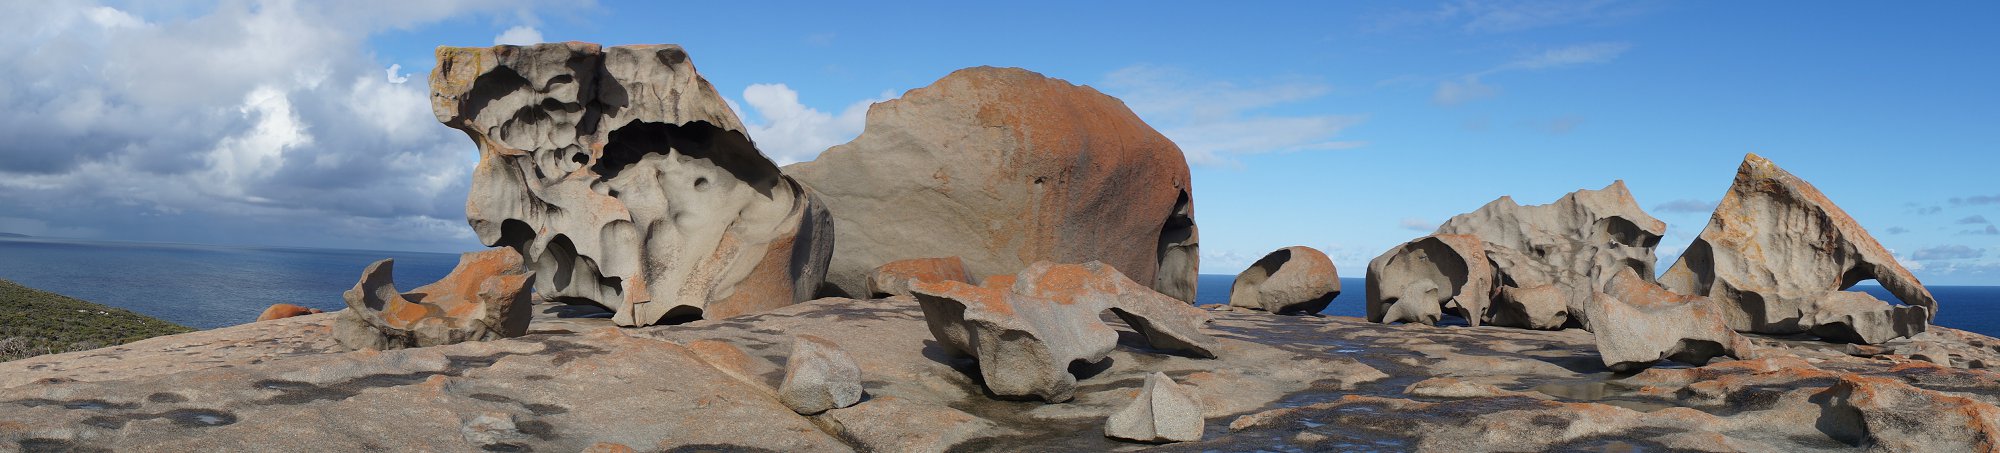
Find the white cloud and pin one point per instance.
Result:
(520, 35)
(1213, 121)
(1470, 87)
(1416, 224)
(788, 132)
(1503, 16)
(257, 112)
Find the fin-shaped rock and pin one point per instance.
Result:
(1163, 412)
(484, 298)
(1003, 167)
(1774, 251)
(894, 278)
(1291, 280)
(1025, 336)
(1642, 323)
(1418, 280)
(626, 181)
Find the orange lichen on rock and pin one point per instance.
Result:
(282, 311)
(895, 278)
(484, 298)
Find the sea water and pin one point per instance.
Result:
(207, 286)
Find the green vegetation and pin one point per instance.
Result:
(35, 322)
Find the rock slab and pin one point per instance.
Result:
(894, 278)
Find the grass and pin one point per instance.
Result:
(35, 322)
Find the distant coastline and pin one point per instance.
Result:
(4, 234)
(35, 322)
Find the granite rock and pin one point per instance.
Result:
(1162, 412)
(894, 278)
(1291, 280)
(819, 377)
(1416, 281)
(484, 298)
(282, 311)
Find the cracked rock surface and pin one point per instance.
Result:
(1003, 167)
(625, 181)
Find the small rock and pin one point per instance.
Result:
(894, 279)
(1163, 412)
(1291, 280)
(819, 377)
(282, 311)
(490, 428)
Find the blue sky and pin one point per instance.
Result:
(1347, 126)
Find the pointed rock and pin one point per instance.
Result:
(1291, 280)
(1003, 167)
(484, 298)
(1163, 412)
(819, 377)
(1776, 255)
(625, 181)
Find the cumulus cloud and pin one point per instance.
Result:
(1214, 121)
(267, 113)
(1687, 206)
(787, 131)
(519, 35)
(1471, 87)
(1948, 252)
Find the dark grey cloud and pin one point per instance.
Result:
(214, 119)
(1948, 252)
(1689, 206)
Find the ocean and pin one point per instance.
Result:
(208, 286)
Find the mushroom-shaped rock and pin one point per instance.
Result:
(1163, 412)
(625, 180)
(1576, 243)
(1003, 167)
(1291, 280)
(1776, 253)
(282, 311)
(1642, 323)
(484, 298)
(819, 377)
(894, 278)
(1418, 280)
(1026, 336)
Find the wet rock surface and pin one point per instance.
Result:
(1278, 383)
(1003, 167)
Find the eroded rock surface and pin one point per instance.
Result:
(1003, 167)
(484, 298)
(626, 181)
(1642, 323)
(1777, 255)
(1026, 337)
(1416, 281)
(1291, 280)
(894, 278)
(1162, 412)
(1576, 243)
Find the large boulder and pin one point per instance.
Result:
(627, 182)
(1777, 255)
(1416, 281)
(1291, 280)
(1025, 337)
(1576, 243)
(1642, 323)
(1003, 167)
(484, 298)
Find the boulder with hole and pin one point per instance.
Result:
(484, 298)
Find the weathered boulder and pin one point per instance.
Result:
(1417, 280)
(1162, 412)
(484, 298)
(624, 179)
(894, 278)
(1576, 243)
(1777, 253)
(819, 377)
(1003, 167)
(282, 311)
(1642, 323)
(1025, 337)
(1543, 307)
(1291, 280)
